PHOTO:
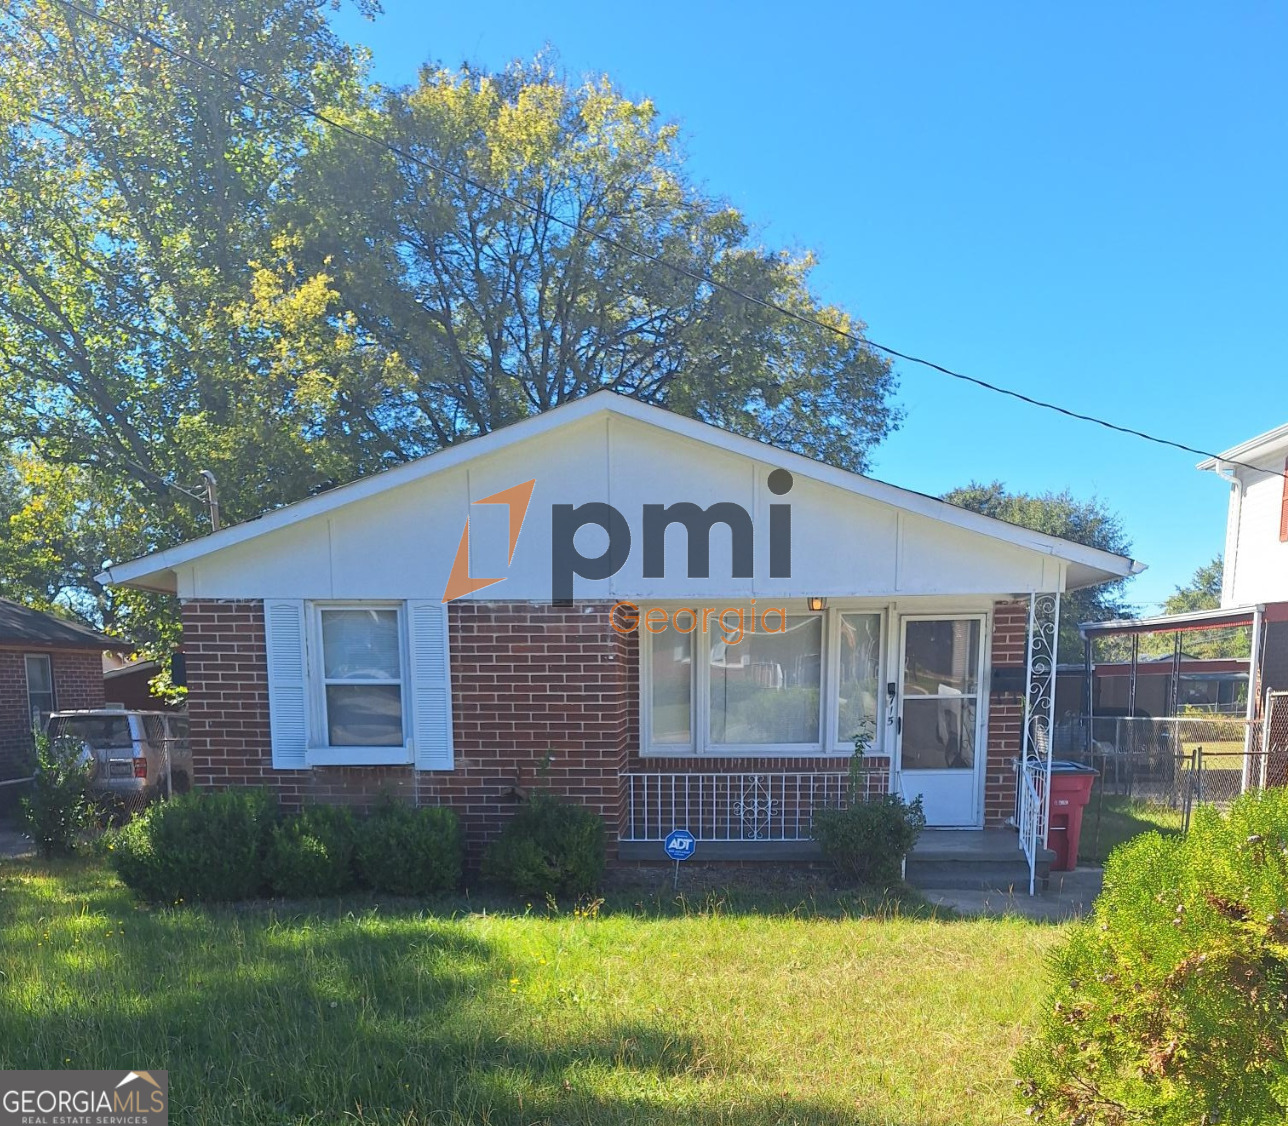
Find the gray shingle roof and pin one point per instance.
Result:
(21, 625)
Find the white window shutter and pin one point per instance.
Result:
(287, 682)
(431, 685)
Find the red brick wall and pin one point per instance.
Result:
(1005, 713)
(528, 681)
(227, 670)
(78, 683)
(532, 681)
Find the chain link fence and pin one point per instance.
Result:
(136, 758)
(1153, 772)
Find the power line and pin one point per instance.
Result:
(640, 252)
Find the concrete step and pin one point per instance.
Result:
(971, 860)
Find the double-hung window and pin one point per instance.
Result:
(40, 690)
(858, 689)
(361, 684)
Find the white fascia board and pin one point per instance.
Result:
(148, 569)
(1262, 444)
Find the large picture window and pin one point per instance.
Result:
(362, 676)
(765, 688)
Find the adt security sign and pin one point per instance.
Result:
(680, 844)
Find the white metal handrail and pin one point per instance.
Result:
(1033, 778)
(752, 806)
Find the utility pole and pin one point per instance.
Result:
(212, 497)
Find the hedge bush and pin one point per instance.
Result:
(867, 841)
(1170, 1005)
(311, 853)
(199, 846)
(549, 847)
(58, 809)
(410, 851)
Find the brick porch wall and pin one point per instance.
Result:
(1005, 713)
(78, 683)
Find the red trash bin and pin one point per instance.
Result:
(1070, 792)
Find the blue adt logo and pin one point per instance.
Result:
(680, 844)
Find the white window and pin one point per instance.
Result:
(804, 683)
(671, 689)
(765, 687)
(40, 690)
(858, 691)
(360, 676)
(717, 685)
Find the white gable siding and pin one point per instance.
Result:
(1260, 569)
(400, 543)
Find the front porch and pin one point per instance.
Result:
(768, 816)
(954, 716)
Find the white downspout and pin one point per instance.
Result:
(1235, 519)
(1254, 671)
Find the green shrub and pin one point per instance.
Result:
(198, 846)
(311, 853)
(1170, 1005)
(549, 847)
(57, 809)
(866, 841)
(408, 851)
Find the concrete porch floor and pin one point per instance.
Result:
(985, 845)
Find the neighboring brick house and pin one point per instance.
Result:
(713, 676)
(46, 663)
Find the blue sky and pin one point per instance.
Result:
(1083, 202)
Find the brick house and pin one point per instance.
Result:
(664, 621)
(46, 663)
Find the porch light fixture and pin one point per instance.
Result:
(816, 603)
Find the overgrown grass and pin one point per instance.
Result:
(637, 1012)
(1112, 819)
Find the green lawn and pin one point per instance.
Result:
(1114, 818)
(641, 1013)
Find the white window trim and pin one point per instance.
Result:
(26, 675)
(832, 691)
(320, 753)
(701, 746)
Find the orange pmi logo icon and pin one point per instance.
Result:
(459, 581)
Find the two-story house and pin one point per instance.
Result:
(1256, 544)
(1254, 595)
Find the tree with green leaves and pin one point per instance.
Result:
(511, 264)
(1089, 522)
(195, 276)
(1202, 592)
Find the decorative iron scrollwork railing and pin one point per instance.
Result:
(752, 806)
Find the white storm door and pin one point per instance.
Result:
(941, 757)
